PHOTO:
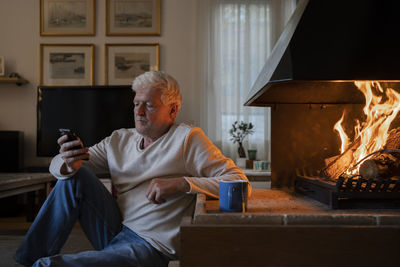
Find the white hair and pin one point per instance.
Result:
(169, 87)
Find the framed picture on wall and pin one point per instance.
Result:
(66, 64)
(67, 17)
(133, 17)
(2, 66)
(124, 62)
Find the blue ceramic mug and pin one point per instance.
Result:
(233, 195)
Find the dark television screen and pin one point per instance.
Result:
(93, 112)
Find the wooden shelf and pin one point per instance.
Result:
(16, 80)
(253, 175)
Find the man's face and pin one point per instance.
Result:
(152, 117)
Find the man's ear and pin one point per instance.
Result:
(173, 111)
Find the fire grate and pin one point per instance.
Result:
(350, 192)
(359, 184)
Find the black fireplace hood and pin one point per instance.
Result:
(325, 47)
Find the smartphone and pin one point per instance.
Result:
(71, 136)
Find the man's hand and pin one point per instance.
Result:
(161, 188)
(71, 156)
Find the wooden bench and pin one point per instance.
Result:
(12, 184)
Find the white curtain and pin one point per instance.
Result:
(235, 37)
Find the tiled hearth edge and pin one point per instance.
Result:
(202, 217)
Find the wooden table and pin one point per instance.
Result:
(284, 229)
(19, 183)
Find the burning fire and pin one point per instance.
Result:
(381, 108)
(343, 136)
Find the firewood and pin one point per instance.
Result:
(385, 164)
(336, 167)
(393, 141)
(381, 166)
(330, 159)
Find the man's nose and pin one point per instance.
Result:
(140, 109)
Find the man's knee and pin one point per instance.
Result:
(83, 178)
(84, 172)
(83, 175)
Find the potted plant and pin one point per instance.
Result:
(238, 132)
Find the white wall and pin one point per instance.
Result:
(20, 42)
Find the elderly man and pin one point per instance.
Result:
(156, 168)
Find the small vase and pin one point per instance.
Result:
(241, 151)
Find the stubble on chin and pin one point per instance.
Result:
(141, 127)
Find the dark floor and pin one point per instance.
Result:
(12, 232)
(13, 229)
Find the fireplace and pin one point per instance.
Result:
(309, 81)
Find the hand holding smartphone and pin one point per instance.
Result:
(71, 137)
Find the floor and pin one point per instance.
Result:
(13, 229)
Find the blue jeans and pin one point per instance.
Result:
(84, 197)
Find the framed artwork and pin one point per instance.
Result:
(67, 17)
(66, 64)
(124, 62)
(133, 17)
(2, 66)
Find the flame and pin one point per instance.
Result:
(343, 136)
(381, 108)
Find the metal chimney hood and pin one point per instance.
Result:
(325, 46)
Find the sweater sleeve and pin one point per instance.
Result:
(55, 168)
(98, 162)
(207, 166)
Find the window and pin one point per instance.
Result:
(235, 39)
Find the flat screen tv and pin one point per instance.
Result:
(93, 112)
